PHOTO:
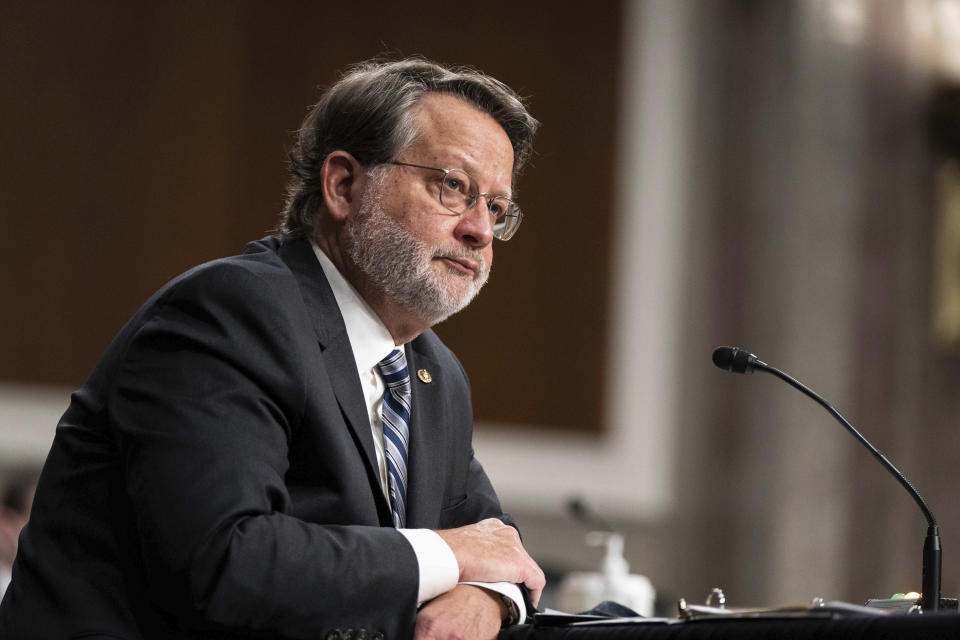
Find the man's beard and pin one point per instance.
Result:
(401, 265)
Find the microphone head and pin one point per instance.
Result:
(576, 507)
(734, 359)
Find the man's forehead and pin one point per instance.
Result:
(460, 135)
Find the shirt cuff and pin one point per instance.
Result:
(439, 570)
(511, 597)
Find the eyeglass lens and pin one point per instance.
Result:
(458, 194)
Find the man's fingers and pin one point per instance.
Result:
(536, 583)
(490, 551)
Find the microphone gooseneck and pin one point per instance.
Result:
(739, 361)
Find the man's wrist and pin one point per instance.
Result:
(509, 595)
(509, 609)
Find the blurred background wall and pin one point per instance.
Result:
(776, 175)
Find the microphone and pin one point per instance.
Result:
(582, 513)
(739, 361)
(735, 360)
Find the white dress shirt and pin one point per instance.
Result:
(371, 342)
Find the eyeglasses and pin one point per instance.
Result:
(459, 193)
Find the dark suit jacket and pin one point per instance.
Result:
(216, 475)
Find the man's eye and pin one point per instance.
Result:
(496, 209)
(458, 181)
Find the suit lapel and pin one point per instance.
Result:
(337, 357)
(428, 450)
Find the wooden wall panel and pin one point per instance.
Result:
(140, 139)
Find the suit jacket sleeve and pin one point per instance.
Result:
(206, 398)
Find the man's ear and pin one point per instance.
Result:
(342, 179)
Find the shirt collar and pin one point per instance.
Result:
(370, 339)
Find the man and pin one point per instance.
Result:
(276, 445)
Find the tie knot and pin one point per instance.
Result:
(394, 366)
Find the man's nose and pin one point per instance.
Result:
(475, 227)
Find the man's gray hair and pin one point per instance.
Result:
(369, 114)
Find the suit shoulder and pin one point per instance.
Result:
(253, 275)
(245, 295)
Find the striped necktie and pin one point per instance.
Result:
(396, 430)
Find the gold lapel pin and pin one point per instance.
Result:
(424, 376)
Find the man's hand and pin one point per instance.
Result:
(463, 613)
(490, 551)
